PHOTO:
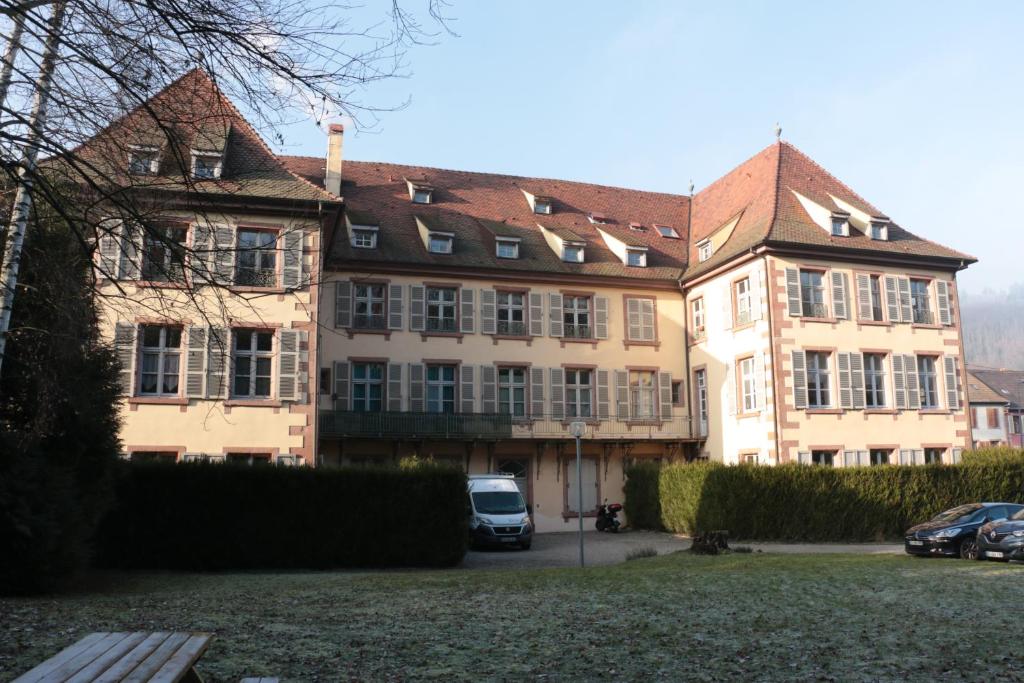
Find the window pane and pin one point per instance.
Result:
(263, 367)
(262, 386)
(150, 362)
(173, 337)
(243, 339)
(265, 341)
(151, 336)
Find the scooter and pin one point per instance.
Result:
(608, 517)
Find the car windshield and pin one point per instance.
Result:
(957, 514)
(498, 503)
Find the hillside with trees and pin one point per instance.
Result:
(993, 324)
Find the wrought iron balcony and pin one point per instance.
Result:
(922, 316)
(579, 331)
(369, 322)
(512, 328)
(811, 310)
(441, 324)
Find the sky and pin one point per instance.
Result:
(919, 107)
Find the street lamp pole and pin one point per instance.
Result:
(578, 429)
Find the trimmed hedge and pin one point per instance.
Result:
(218, 517)
(801, 503)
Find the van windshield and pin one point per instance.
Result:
(498, 502)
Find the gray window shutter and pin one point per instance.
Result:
(845, 381)
(622, 394)
(341, 385)
(557, 376)
(291, 270)
(634, 332)
(730, 387)
(537, 392)
(536, 314)
(416, 388)
(756, 286)
(488, 388)
(288, 385)
(417, 308)
(793, 292)
(945, 310)
(952, 391)
(913, 390)
(799, 379)
(203, 251)
(759, 380)
(342, 304)
(108, 252)
(468, 389)
(467, 310)
(601, 317)
(218, 350)
(195, 363)
(603, 397)
(863, 458)
(850, 459)
(488, 311)
(918, 456)
(224, 254)
(396, 312)
(892, 298)
(857, 373)
(126, 336)
(665, 394)
(899, 382)
(839, 298)
(395, 386)
(648, 324)
(906, 456)
(556, 327)
(863, 296)
(131, 251)
(803, 457)
(906, 307)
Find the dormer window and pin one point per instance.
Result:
(840, 226)
(420, 193)
(542, 205)
(636, 258)
(440, 243)
(704, 250)
(364, 236)
(572, 253)
(507, 248)
(597, 218)
(206, 165)
(879, 230)
(143, 160)
(667, 231)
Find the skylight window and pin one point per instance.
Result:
(637, 227)
(704, 250)
(440, 243)
(597, 218)
(507, 248)
(667, 231)
(206, 165)
(636, 258)
(143, 160)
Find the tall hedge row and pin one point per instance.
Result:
(216, 517)
(802, 503)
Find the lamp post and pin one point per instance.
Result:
(578, 429)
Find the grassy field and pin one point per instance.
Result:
(752, 617)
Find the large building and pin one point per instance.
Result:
(372, 311)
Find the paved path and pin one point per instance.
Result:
(562, 550)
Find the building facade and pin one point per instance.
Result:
(1002, 389)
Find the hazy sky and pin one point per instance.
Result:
(917, 106)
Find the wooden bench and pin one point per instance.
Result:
(162, 657)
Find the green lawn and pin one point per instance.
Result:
(764, 617)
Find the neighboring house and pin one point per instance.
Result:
(988, 412)
(1009, 384)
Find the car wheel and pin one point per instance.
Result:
(969, 549)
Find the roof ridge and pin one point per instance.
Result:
(775, 191)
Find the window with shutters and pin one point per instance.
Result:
(875, 293)
(367, 387)
(511, 313)
(440, 388)
(369, 308)
(920, 300)
(642, 399)
(700, 381)
(819, 380)
(441, 309)
(812, 294)
(747, 385)
(512, 391)
(879, 456)
(697, 318)
(826, 458)
(926, 382)
(874, 380)
(641, 323)
(163, 253)
(933, 456)
(741, 302)
(576, 317)
(257, 258)
(252, 362)
(578, 393)
(159, 360)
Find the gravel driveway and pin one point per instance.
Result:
(562, 550)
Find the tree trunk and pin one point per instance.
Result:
(26, 174)
(13, 45)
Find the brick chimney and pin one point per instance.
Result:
(332, 177)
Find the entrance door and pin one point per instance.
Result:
(520, 469)
(591, 485)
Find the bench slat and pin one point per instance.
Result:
(153, 662)
(136, 656)
(60, 658)
(108, 659)
(181, 661)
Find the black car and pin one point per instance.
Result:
(1002, 540)
(954, 532)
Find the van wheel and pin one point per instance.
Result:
(969, 549)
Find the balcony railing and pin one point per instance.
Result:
(389, 425)
(369, 322)
(923, 316)
(512, 328)
(253, 277)
(441, 324)
(814, 310)
(579, 331)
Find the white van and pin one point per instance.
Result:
(497, 512)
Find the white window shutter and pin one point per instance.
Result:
(952, 390)
(665, 394)
(603, 396)
(536, 392)
(863, 458)
(195, 363)
(341, 386)
(839, 298)
(648, 320)
(489, 389)
(291, 270)
(892, 298)
(556, 323)
(906, 456)
(857, 375)
(760, 388)
(793, 292)
(417, 387)
(467, 388)
(395, 385)
(945, 309)
(342, 304)
(957, 455)
(756, 287)
(536, 314)
(288, 376)
(799, 379)
(850, 459)
(918, 456)
(863, 296)
(131, 251)
(224, 254)
(906, 305)
(489, 311)
(467, 310)
(557, 377)
(633, 329)
(601, 317)
(396, 308)
(417, 308)
(913, 390)
(845, 381)
(803, 457)
(126, 336)
(899, 382)
(622, 394)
